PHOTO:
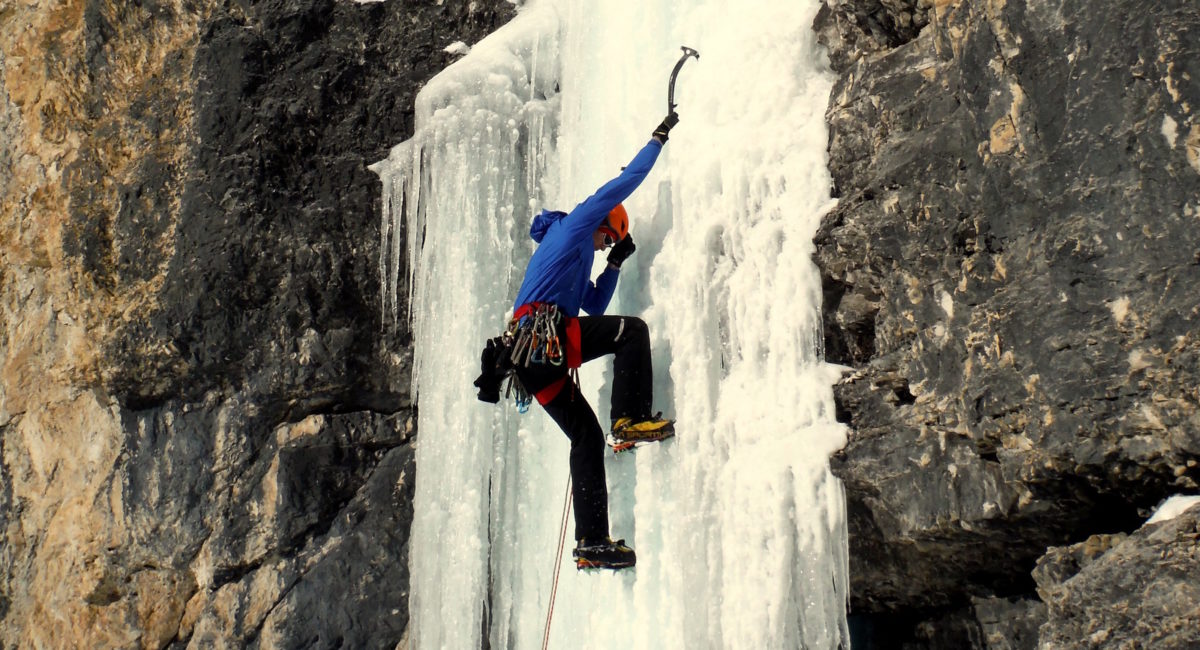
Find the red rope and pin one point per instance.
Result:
(562, 539)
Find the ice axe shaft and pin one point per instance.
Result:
(687, 52)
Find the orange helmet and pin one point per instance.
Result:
(617, 223)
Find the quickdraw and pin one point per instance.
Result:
(516, 391)
(533, 336)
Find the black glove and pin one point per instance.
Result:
(494, 368)
(668, 123)
(621, 251)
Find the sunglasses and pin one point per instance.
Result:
(610, 237)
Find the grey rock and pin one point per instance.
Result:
(913, 630)
(1010, 624)
(1135, 591)
(366, 550)
(253, 485)
(1011, 270)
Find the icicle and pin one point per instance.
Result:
(451, 192)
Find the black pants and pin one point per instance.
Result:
(629, 339)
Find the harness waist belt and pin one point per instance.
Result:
(573, 349)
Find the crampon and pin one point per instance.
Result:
(628, 433)
(609, 554)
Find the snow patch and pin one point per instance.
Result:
(1173, 507)
(457, 48)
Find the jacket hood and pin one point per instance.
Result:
(542, 223)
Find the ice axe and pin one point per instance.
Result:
(687, 52)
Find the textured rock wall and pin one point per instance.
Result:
(204, 429)
(1012, 270)
(1137, 590)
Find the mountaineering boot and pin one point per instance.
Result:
(628, 432)
(604, 555)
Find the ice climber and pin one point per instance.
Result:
(547, 339)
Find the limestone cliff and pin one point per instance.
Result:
(204, 431)
(204, 428)
(1012, 270)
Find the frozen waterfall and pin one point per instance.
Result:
(738, 524)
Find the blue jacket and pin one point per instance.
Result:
(559, 270)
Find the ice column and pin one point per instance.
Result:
(484, 141)
(739, 526)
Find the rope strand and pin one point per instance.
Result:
(562, 539)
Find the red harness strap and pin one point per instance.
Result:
(525, 310)
(574, 360)
(545, 395)
(574, 350)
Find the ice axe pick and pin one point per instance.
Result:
(687, 52)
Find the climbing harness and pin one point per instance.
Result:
(562, 540)
(687, 52)
(532, 338)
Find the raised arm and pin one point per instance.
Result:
(588, 216)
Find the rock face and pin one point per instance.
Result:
(204, 426)
(1012, 271)
(1125, 591)
(205, 431)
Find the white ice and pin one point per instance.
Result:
(738, 524)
